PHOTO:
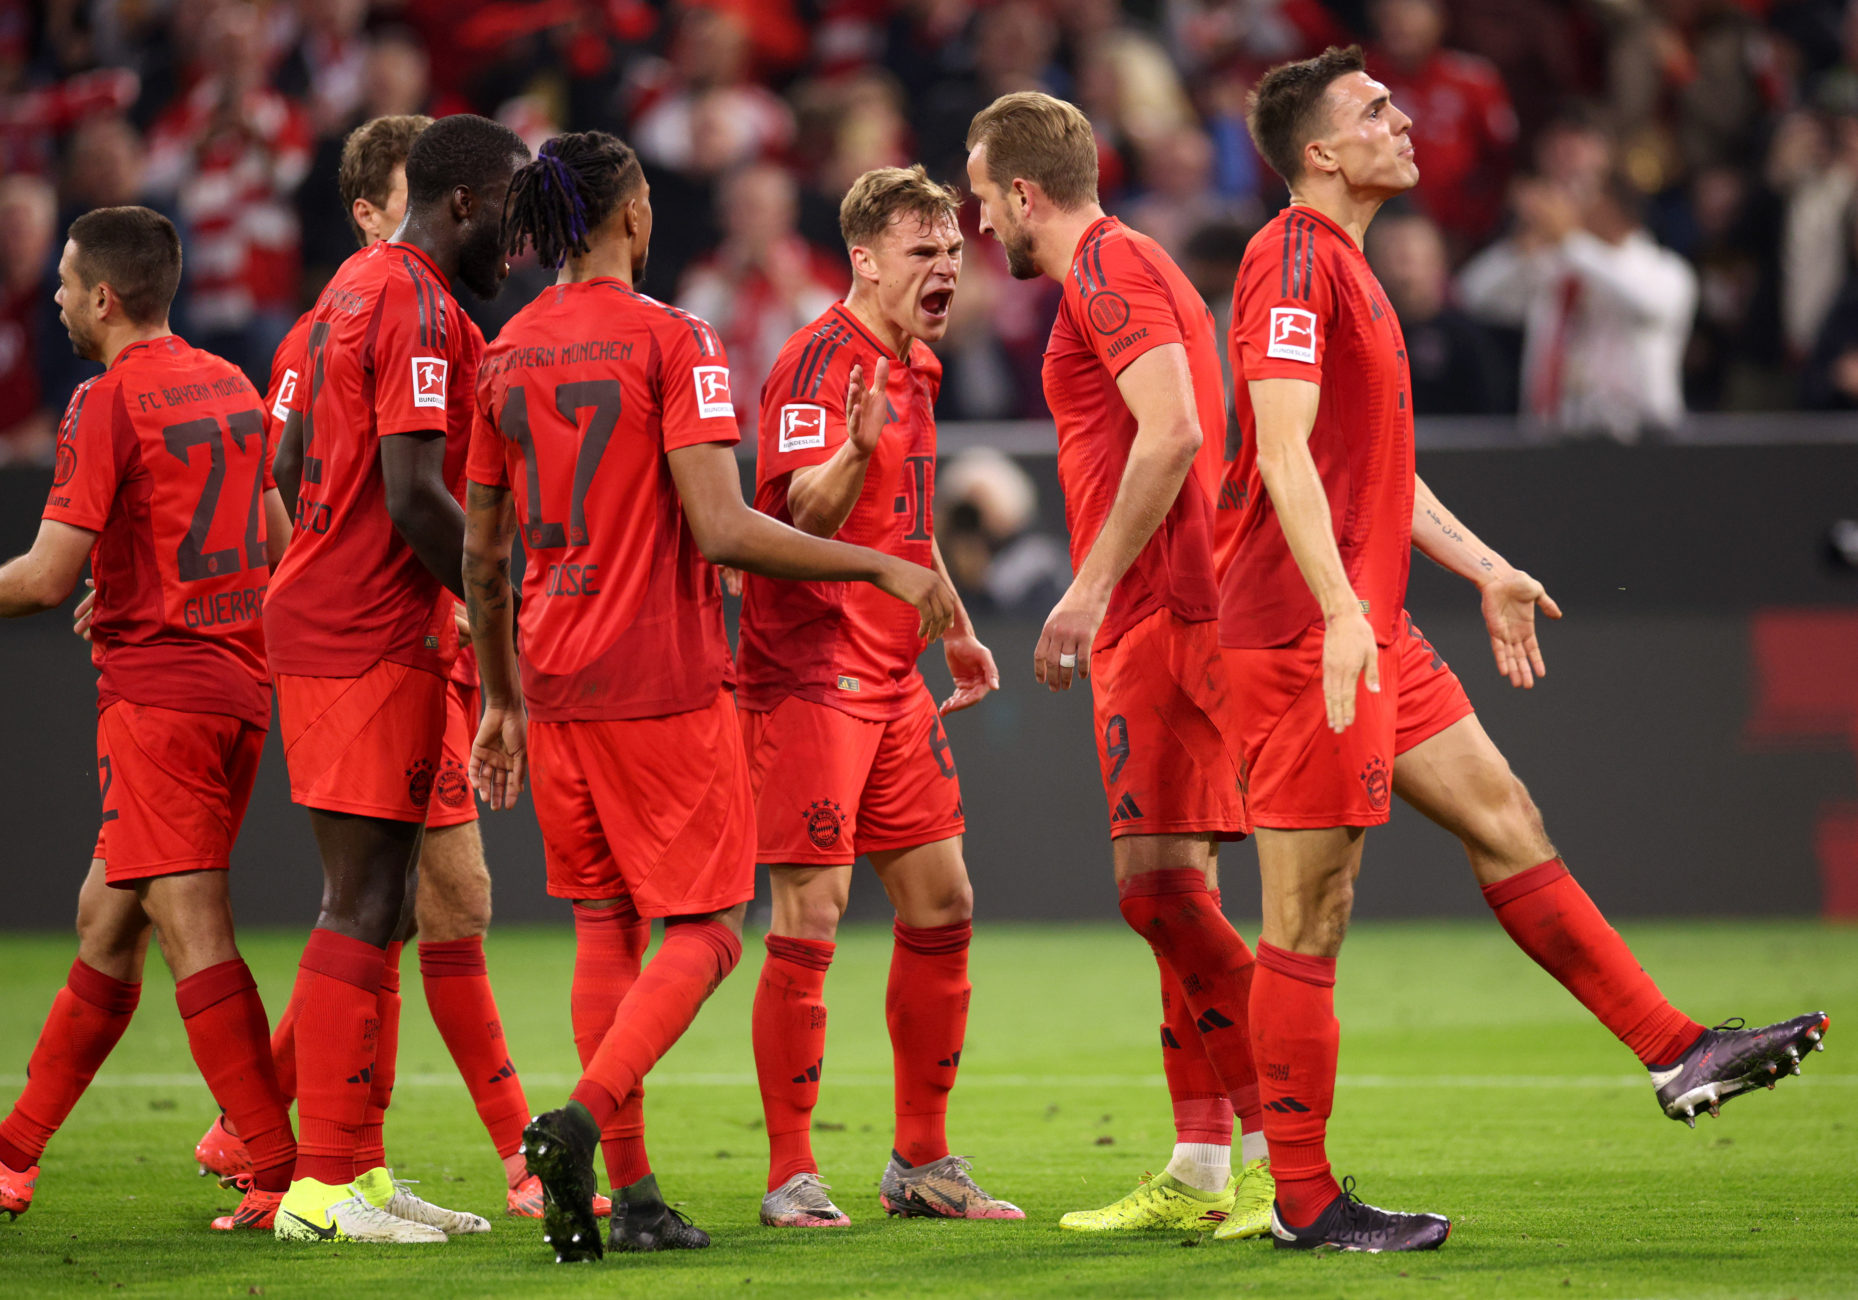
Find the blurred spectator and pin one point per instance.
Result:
(1732, 234)
(1179, 196)
(1606, 311)
(230, 155)
(978, 379)
(987, 509)
(1831, 380)
(1456, 369)
(1464, 129)
(1575, 152)
(32, 119)
(1211, 259)
(1813, 165)
(326, 68)
(28, 250)
(394, 81)
(709, 55)
(104, 164)
(1007, 46)
(764, 282)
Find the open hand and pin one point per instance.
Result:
(499, 755)
(971, 665)
(1510, 602)
(867, 410)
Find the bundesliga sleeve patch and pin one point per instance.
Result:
(429, 382)
(1293, 335)
(712, 391)
(287, 389)
(802, 427)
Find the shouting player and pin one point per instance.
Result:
(1133, 381)
(605, 432)
(162, 484)
(452, 896)
(1342, 701)
(845, 746)
(362, 638)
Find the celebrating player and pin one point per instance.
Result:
(845, 746)
(605, 431)
(1319, 512)
(1133, 381)
(162, 484)
(452, 895)
(362, 637)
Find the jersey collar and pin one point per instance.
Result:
(138, 345)
(1304, 210)
(850, 317)
(414, 250)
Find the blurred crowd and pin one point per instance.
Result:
(1628, 208)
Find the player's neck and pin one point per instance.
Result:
(611, 260)
(1346, 208)
(117, 341)
(864, 307)
(1064, 231)
(439, 246)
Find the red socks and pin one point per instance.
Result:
(336, 1032)
(226, 1029)
(370, 1143)
(1202, 1111)
(284, 1039)
(1295, 1031)
(87, 1019)
(458, 993)
(926, 1007)
(790, 1045)
(609, 944)
(694, 958)
(1174, 911)
(1551, 918)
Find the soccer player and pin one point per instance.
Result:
(1341, 700)
(846, 750)
(605, 432)
(1133, 380)
(362, 637)
(162, 484)
(452, 888)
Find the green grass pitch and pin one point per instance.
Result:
(1472, 1085)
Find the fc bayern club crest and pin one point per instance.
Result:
(825, 822)
(1374, 777)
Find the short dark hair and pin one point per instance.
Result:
(136, 252)
(369, 156)
(568, 192)
(462, 149)
(1285, 111)
(1035, 137)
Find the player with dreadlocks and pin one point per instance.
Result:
(605, 431)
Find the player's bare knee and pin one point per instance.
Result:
(1518, 836)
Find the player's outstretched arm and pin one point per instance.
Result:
(45, 576)
(1158, 389)
(820, 497)
(1510, 597)
(423, 510)
(498, 754)
(970, 664)
(1285, 410)
(730, 534)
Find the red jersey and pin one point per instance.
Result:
(286, 371)
(389, 352)
(844, 644)
(1124, 296)
(163, 457)
(1306, 306)
(581, 396)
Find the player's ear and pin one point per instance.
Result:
(464, 203)
(864, 263)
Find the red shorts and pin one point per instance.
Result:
(1160, 701)
(175, 786)
(453, 803)
(829, 786)
(369, 745)
(1300, 774)
(657, 810)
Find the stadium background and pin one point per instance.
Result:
(1694, 744)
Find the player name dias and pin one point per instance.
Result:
(182, 394)
(568, 354)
